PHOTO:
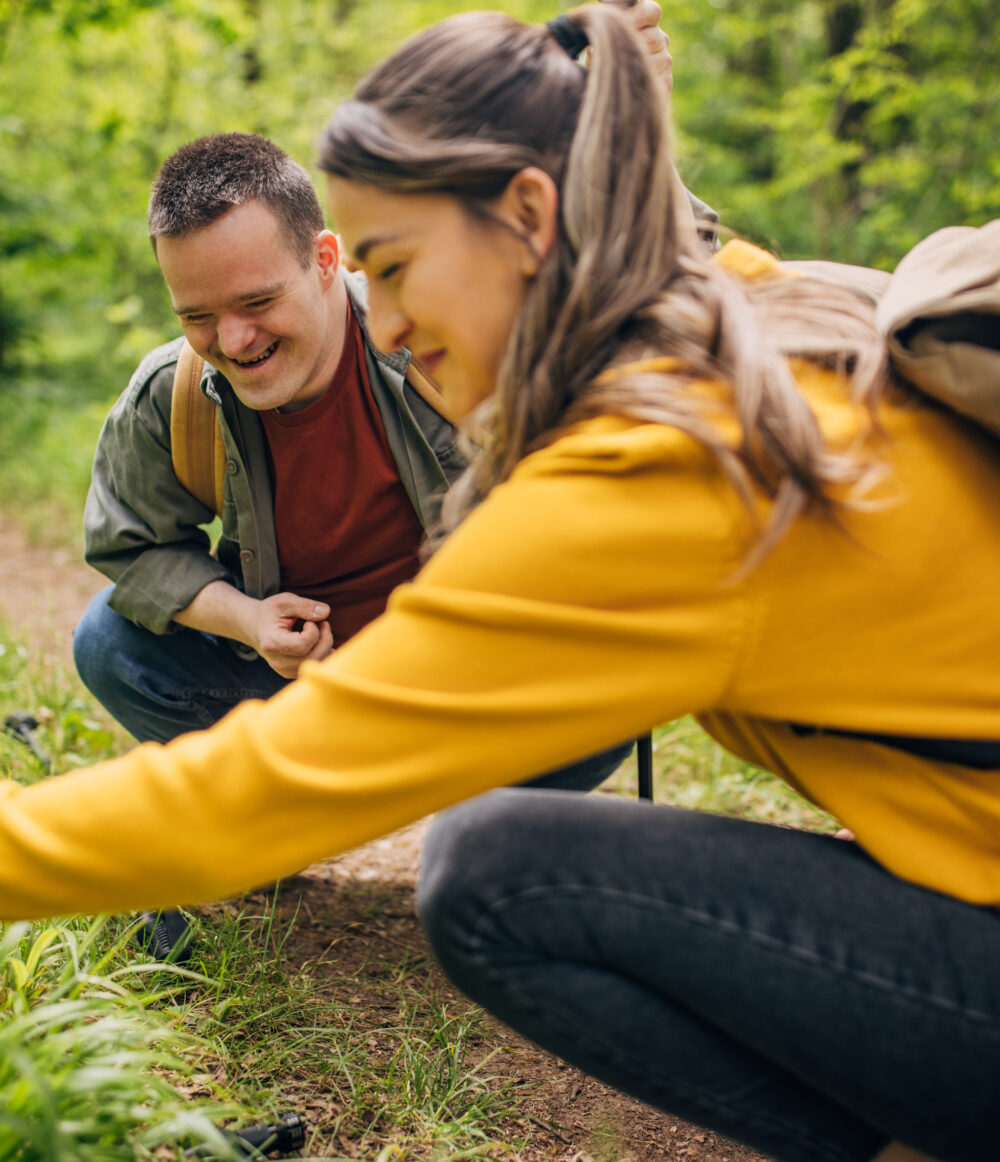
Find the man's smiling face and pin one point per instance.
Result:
(249, 307)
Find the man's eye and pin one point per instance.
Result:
(193, 320)
(260, 304)
(387, 273)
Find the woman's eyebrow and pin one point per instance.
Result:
(362, 249)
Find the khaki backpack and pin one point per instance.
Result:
(940, 315)
(938, 312)
(196, 444)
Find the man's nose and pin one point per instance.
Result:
(237, 334)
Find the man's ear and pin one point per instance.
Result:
(530, 204)
(328, 256)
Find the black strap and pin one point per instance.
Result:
(566, 33)
(977, 754)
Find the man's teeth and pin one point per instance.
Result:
(260, 358)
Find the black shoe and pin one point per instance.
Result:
(165, 935)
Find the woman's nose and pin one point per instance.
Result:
(388, 324)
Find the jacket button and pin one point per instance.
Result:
(247, 555)
(232, 467)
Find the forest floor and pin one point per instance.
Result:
(363, 902)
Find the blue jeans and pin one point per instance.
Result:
(776, 986)
(161, 685)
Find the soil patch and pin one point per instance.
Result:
(362, 905)
(43, 591)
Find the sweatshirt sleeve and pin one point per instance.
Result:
(589, 598)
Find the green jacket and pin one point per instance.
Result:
(143, 529)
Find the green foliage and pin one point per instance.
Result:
(845, 129)
(47, 441)
(824, 129)
(93, 95)
(691, 770)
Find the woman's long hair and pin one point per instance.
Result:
(460, 109)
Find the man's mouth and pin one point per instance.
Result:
(258, 358)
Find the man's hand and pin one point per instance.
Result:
(290, 631)
(285, 630)
(645, 16)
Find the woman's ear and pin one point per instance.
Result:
(530, 204)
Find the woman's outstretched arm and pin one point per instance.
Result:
(543, 632)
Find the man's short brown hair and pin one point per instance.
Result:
(208, 176)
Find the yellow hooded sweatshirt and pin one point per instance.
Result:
(590, 597)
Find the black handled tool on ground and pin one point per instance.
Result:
(23, 725)
(278, 1139)
(165, 935)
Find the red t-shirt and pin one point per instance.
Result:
(347, 532)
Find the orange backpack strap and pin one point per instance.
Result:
(429, 391)
(196, 445)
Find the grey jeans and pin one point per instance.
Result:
(776, 986)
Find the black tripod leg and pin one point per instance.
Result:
(644, 756)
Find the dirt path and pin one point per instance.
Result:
(43, 590)
(571, 1118)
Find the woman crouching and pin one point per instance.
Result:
(697, 492)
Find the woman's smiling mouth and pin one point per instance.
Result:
(429, 360)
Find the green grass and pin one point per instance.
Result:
(356, 1036)
(107, 1055)
(89, 1071)
(312, 1004)
(690, 770)
(72, 732)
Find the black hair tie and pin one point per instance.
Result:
(570, 38)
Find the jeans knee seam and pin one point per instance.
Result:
(803, 956)
(239, 694)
